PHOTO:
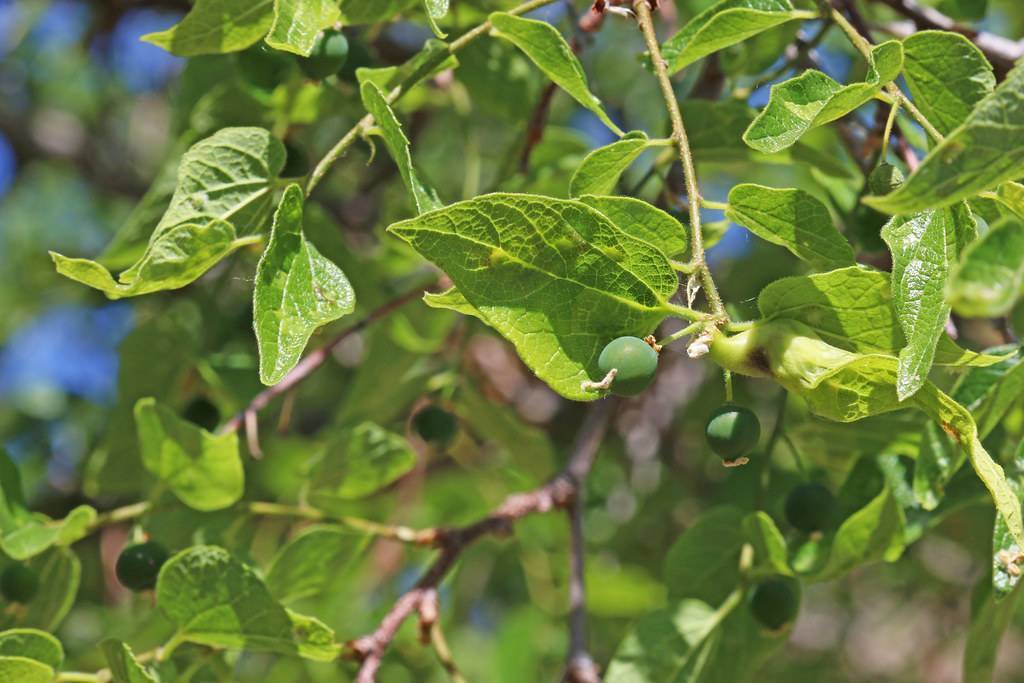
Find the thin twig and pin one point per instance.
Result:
(579, 665)
(698, 259)
(558, 493)
(316, 358)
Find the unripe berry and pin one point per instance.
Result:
(634, 361)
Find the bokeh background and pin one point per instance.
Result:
(89, 116)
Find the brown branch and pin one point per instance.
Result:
(315, 359)
(558, 493)
(579, 667)
(1001, 52)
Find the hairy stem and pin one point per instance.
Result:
(646, 21)
(365, 123)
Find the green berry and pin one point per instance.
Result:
(809, 507)
(435, 425)
(263, 66)
(296, 163)
(202, 413)
(138, 565)
(328, 56)
(732, 431)
(884, 179)
(775, 603)
(18, 583)
(634, 361)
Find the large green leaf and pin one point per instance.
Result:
(990, 276)
(308, 563)
(600, 170)
(59, 572)
(947, 75)
(555, 277)
(297, 23)
(727, 23)
(985, 150)
(423, 196)
(214, 26)
(793, 219)
(852, 308)
(204, 470)
(215, 600)
(546, 48)
(814, 99)
(13, 512)
(360, 461)
(297, 290)
(224, 189)
(925, 248)
(29, 656)
(124, 667)
(639, 219)
(704, 562)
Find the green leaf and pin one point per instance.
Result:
(124, 668)
(59, 573)
(371, 11)
(423, 196)
(214, 26)
(555, 277)
(947, 76)
(307, 564)
(13, 512)
(600, 170)
(175, 258)
(546, 48)
(986, 150)
(224, 190)
(668, 646)
(792, 219)
(990, 392)
(990, 276)
(297, 23)
(23, 645)
(639, 219)
(990, 617)
(359, 462)
(813, 99)
(436, 9)
(852, 308)
(727, 23)
(770, 552)
(1005, 550)
(297, 290)
(217, 601)
(203, 470)
(924, 249)
(38, 535)
(704, 562)
(435, 56)
(871, 534)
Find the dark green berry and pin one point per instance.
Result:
(202, 413)
(328, 56)
(775, 603)
(296, 163)
(732, 431)
(634, 361)
(358, 56)
(809, 507)
(435, 425)
(18, 583)
(263, 66)
(138, 565)
(884, 179)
